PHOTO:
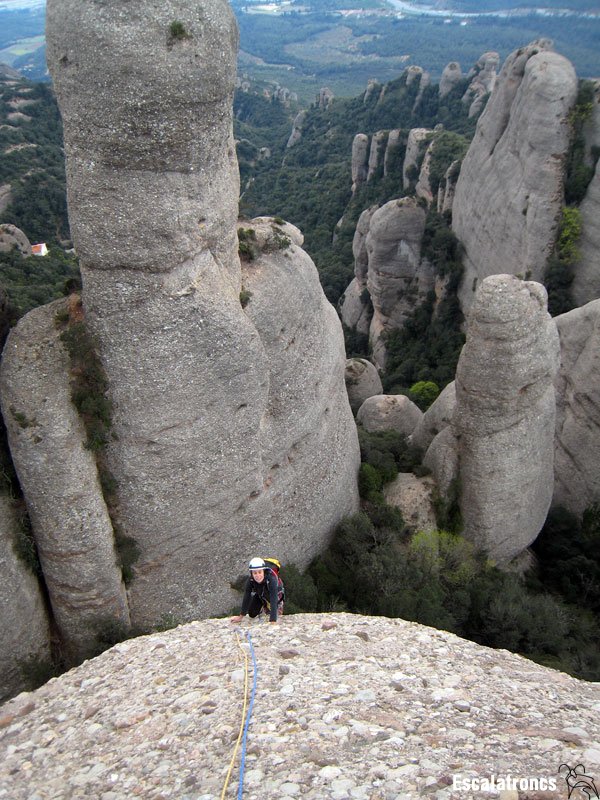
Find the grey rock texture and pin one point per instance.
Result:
(297, 126)
(5, 196)
(442, 458)
(373, 87)
(505, 415)
(24, 633)
(509, 194)
(414, 73)
(200, 385)
(356, 311)
(375, 153)
(360, 158)
(389, 412)
(398, 279)
(586, 281)
(447, 188)
(368, 708)
(451, 77)
(591, 128)
(415, 147)
(362, 381)
(577, 453)
(392, 146)
(59, 478)
(325, 97)
(359, 245)
(483, 79)
(11, 236)
(423, 187)
(413, 496)
(437, 417)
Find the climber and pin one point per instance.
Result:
(264, 591)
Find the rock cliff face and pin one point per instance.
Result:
(360, 156)
(59, 479)
(297, 126)
(505, 414)
(11, 236)
(414, 147)
(362, 381)
(509, 193)
(577, 453)
(451, 77)
(389, 412)
(398, 279)
(586, 282)
(482, 81)
(24, 633)
(367, 707)
(232, 432)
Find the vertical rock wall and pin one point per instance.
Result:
(577, 454)
(509, 194)
(145, 91)
(24, 632)
(504, 416)
(59, 479)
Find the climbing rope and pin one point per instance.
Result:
(246, 715)
(245, 705)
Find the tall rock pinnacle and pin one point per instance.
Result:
(145, 90)
(509, 195)
(505, 414)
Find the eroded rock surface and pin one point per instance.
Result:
(451, 77)
(505, 415)
(437, 417)
(362, 381)
(586, 281)
(59, 478)
(360, 157)
(398, 279)
(389, 412)
(367, 707)
(577, 454)
(509, 194)
(199, 383)
(25, 632)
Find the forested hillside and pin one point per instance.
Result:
(32, 180)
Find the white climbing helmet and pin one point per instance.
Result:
(256, 563)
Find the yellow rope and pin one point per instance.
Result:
(237, 744)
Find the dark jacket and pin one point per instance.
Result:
(267, 591)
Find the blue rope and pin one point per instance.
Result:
(248, 715)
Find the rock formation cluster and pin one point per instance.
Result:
(231, 429)
(368, 708)
(509, 195)
(397, 277)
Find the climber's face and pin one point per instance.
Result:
(258, 575)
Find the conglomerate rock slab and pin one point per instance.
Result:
(509, 195)
(59, 478)
(577, 453)
(345, 707)
(505, 414)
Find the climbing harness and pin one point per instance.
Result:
(246, 715)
